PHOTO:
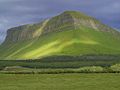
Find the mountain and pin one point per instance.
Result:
(71, 33)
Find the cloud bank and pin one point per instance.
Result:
(19, 12)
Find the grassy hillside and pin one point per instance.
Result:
(70, 33)
(77, 42)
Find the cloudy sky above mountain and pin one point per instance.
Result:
(19, 12)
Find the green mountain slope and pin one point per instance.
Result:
(70, 33)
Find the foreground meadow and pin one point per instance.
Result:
(103, 81)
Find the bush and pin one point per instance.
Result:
(92, 69)
(115, 68)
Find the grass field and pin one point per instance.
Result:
(60, 82)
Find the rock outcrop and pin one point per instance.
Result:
(69, 20)
(25, 32)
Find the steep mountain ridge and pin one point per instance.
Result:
(25, 32)
(68, 20)
(70, 33)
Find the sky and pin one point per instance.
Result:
(18, 12)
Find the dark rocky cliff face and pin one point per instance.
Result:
(24, 32)
(62, 22)
(69, 20)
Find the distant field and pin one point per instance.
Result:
(59, 82)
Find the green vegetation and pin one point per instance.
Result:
(60, 82)
(115, 68)
(56, 53)
(63, 62)
(61, 69)
(21, 70)
(70, 34)
(71, 42)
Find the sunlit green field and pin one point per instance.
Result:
(60, 81)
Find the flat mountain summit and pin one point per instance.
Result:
(71, 33)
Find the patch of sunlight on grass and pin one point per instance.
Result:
(19, 50)
(37, 51)
(49, 49)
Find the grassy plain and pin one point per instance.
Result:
(60, 81)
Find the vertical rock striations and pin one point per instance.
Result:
(68, 20)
